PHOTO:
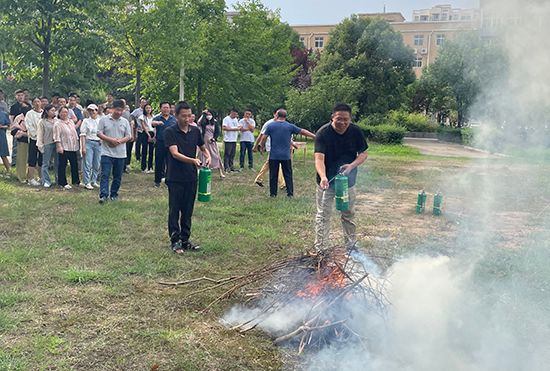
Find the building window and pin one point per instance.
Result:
(417, 62)
(319, 42)
(303, 40)
(435, 17)
(424, 18)
(444, 17)
(416, 18)
(418, 40)
(440, 40)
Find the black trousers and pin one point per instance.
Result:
(160, 161)
(147, 150)
(67, 156)
(139, 141)
(129, 146)
(230, 149)
(246, 147)
(286, 165)
(181, 202)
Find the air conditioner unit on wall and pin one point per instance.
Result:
(424, 51)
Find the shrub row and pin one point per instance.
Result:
(385, 134)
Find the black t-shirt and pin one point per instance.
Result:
(15, 110)
(177, 171)
(340, 149)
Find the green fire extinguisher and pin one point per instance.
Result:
(205, 184)
(438, 201)
(341, 187)
(421, 202)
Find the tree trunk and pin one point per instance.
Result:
(138, 81)
(200, 100)
(46, 72)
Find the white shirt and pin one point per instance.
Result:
(32, 118)
(268, 141)
(148, 121)
(230, 136)
(247, 136)
(88, 128)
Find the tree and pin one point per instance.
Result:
(312, 108)
(49, 33)
(465, 67)
(369, 49)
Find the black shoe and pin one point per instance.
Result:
(260, 184)
(157, 185)
(102, 200)
(190, 246)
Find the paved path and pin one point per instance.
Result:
(433, 147)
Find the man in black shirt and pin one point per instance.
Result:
(340, 147)
(20, 107)
(182, 141)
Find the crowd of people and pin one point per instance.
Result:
(97, 143)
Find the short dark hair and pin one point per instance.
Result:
(249, 110)
(163, 103)
(281, 113)
(181, 106)
(342, 107)
(44, 97)
(119, 104)
(46, 110)
(56, 95)
(234, 110)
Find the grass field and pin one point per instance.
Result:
(79, 281)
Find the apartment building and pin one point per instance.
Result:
(425, 34)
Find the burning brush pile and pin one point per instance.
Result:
(307, 301)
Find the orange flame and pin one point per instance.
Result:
(336, 279)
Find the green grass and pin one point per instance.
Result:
(79, 281)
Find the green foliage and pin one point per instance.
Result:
(84, 276)
(373, 120)
(455, 80)
(415, 122)
(312, 108)
(385, 134)
(371, 51)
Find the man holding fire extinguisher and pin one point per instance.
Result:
(182, 141)
(340, 148)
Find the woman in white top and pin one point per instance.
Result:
(32, 118)
(148, 142)
(91, 147)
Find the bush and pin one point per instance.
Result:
(375, 119)
(385, 134)
(414, 122)
(467, 136)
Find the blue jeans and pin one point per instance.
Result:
(247, 147)
(93, 161)
(49, 153)
(108, 165)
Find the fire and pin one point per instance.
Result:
(336, 279)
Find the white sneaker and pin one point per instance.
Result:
(68, 187)
(163, 180)
(89, 186)
(95, 185)
(47, 185)
(34, 183)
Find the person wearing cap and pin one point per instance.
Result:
(91, 147)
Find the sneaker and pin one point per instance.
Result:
(89, 186)
(260, 184)
(102, 200)
(95, 185)
(163, 180)
(157, 185)
(47, 185)
(34, 183)
(114, 199)
(191, 246)
(68, 187)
